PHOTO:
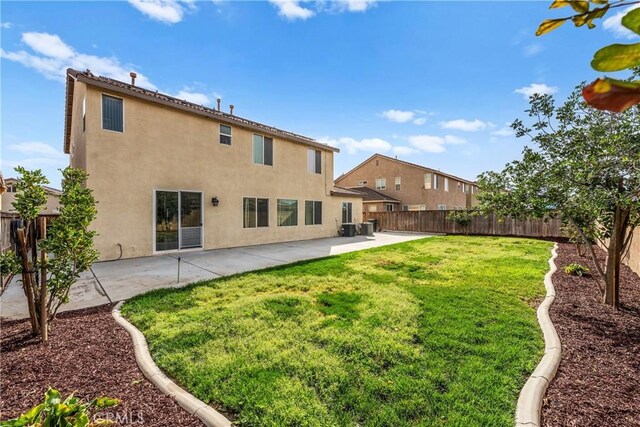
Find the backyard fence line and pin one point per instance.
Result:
(484, 225)
(5, 227)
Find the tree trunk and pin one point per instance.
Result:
(614, 257)
(27, 283)
(44, 312)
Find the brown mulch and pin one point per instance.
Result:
(89, 354)
(598, 381)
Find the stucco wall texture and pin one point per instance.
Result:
(162, 148)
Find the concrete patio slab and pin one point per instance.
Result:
(120, 280)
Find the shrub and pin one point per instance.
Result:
(55, 412)
(575, 269)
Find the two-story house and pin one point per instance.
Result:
(171, 175)
(407, 186)
(50, 208)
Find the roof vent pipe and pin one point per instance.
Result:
(133, 78)
(219, 100)
(231, 109)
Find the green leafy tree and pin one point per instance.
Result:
(585, 168)
(51, 264)
(605, 93)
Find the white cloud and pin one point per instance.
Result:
(503, 131)
(195, 97)
(48, 45)
(533, 88)
(6, 25)
(465, 125)
(53, 56)
(352, 145)
(404, 151)
(34, 155)
(533, 49)
(166, 11)
(432, 143)
(291, 9)
(614, 24)
(420, 121)
(398, 116)
(353, 5)
(39, 148)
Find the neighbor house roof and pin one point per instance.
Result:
(339, 191)
(382, 156)
(170, 101)
(371, 195)
(50, 190)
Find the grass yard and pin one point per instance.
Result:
(439, 331)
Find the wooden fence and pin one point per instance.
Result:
(490, 225)
(5, 228)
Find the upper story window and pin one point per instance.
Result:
(398, 183)
(446, 184)
(427, 181)
(381, 184)
(436, 182)
(225, 134)
(314, 161)
(262, 150)
(112, 113)
(362, 182)
(84, 113)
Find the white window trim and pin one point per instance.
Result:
(446, 184)
(230, 134)
(381, 187)
(124, 115)
(273, 150)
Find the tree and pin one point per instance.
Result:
(64, 253)
(605, 93)
(586, 168)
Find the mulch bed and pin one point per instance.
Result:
(89, 354)
(598, 381)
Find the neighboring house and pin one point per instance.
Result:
(171, 175)
(51, 208)
(407, 186)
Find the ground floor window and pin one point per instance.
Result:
(287, 212)
(389, 207)
(442, 207)
(312, 212)
(255, 212)
(347, 212)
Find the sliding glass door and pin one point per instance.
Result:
(178, 220)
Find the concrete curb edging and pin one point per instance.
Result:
(209, 416)
(529, 406)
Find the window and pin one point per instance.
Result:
(362, 182)
(112, 113)
(398, 182)
(405, 208)
(255, 212)
(466, 188)
(225, 134)
(373, 208)
(427, 181)
(442, 207)
(446, 184)
(287, 212)
(84, 113)
(314, 161)
(422, 207)
(381, 184)
(312, 212)
(436, 182)
(389, 207)
(347, 212)
(262, 150)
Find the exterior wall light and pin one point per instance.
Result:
(215, 201)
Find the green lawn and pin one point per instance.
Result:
(439, 331)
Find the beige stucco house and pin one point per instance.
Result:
(9, 196)
(170, 175)
(407, 186)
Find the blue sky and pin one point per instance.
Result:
(431, 82)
